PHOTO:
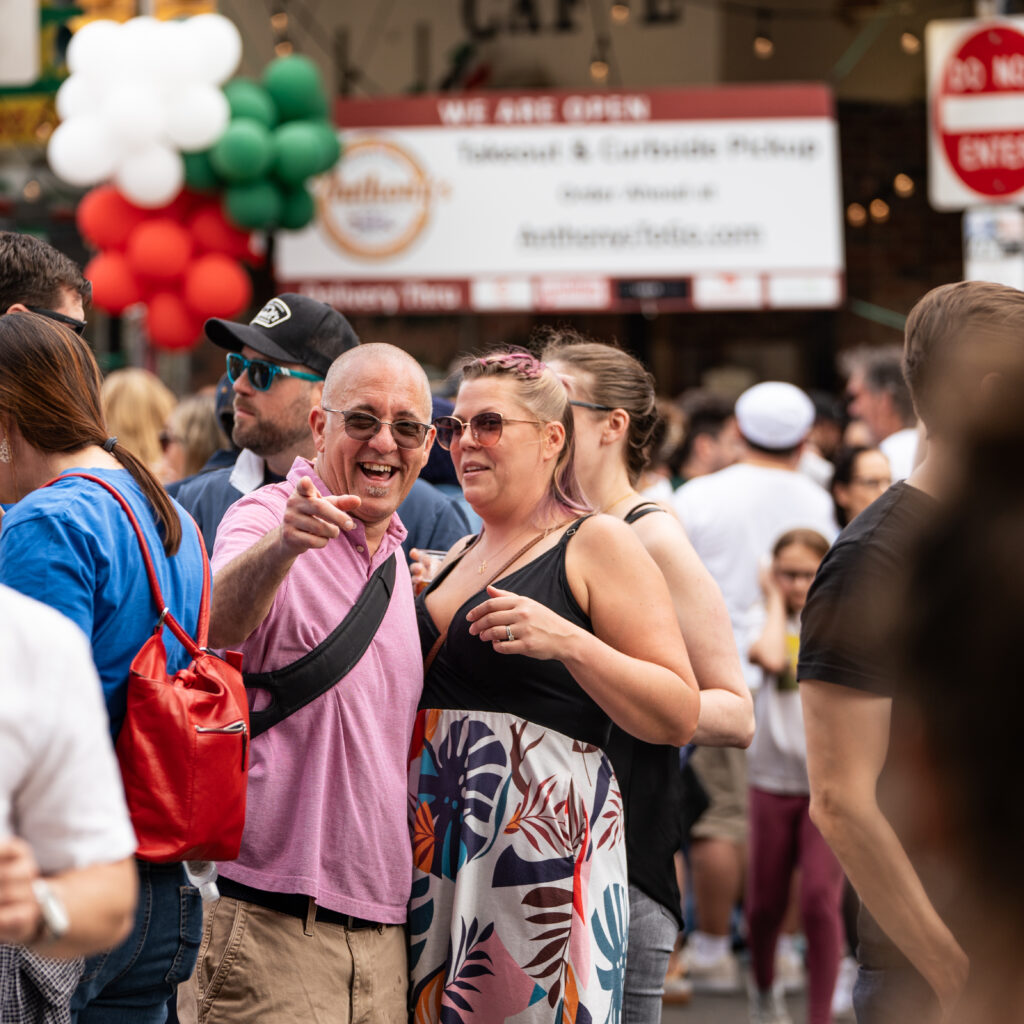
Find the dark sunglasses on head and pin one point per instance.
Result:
(485, 427)
(591, 405)
(261, 373)
(78, 326)
(166, 439)
(361, 426)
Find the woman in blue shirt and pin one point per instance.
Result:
(71, 546)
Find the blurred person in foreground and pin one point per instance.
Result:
(67, 880)
(71, 546)
(539, 633)
(957, 771)
(911, 965)
(733, 517)
(614, 411)
(877, 395)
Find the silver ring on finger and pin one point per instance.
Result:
(509, 636)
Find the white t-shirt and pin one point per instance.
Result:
(901, 450)
(60, 786)
(777, 758)
(733, 518)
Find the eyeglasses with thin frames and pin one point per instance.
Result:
(76, 325)
(262, 373)
(361, 426)
(485, 427)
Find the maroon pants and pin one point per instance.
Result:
(783, 838)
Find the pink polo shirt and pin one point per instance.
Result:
(326, 814)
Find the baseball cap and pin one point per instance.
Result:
(774, 415)
(290, 328)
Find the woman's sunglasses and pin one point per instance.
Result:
(261, 373)
(361, 426)
(484, 426)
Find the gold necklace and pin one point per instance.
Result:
(621, 497)
(482, 567)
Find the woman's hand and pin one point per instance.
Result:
(519, 625)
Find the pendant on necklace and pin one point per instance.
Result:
(482, 568)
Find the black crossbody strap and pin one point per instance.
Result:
(301, 682)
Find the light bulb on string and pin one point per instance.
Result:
(599, 60)
(283, 48)
(910, 43)
(856, 215)
(279, 21)
(620, 11)
(879, 210)
(903, 186)
(764, 46)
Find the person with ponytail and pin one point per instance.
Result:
(538, 633)
(71, 546)
(613, 399)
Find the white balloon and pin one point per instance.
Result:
(81, 152)
(133, 114)
(195, 118)
(152, 176)
(78, 94)
(93, 47)
(216, 43)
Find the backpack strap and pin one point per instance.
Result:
(645, 508)
(193, 646)
(294, 686)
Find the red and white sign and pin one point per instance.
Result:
(976, 124)
(561, 201)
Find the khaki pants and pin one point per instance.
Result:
(258, 965)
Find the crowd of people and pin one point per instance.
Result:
(715, 653)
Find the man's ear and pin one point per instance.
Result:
(18, 307)
(317, 425)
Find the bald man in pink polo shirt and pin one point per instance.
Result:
(309, 923)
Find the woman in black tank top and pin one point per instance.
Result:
(538, 633)
(614, 401)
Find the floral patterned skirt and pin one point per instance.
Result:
(519, 908)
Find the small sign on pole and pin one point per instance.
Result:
(976, 112)
(994, 245)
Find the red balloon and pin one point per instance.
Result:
(217, 285)
(180, 207)
(160, 248)
(213, 232)
(169, 322)
(106, 219)
(114, 286)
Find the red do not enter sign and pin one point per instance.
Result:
(979, 110)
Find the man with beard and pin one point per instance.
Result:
(277, 364)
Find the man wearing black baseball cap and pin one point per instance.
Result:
(277, 363)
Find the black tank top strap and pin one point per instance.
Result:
(577, 523)
(645, 508)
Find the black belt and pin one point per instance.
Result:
(292, 904)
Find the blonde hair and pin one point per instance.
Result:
(136, 404)
(541, 391)
(193, 422)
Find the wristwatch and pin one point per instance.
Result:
(55, 921)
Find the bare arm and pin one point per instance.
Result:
(244, 589)
(634, 664)
(847, 744)
(99, 899)
(726, 709)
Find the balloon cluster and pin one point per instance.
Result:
(182, 260)
(278, 136)
(141, 94)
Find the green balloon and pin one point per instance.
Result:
(249, 99)
(253, 205)
(298, 151)
(295, 86)
(297, 209)
(330, 145)
(243, 152)
(199, 173)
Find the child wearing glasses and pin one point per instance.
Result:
(782, 837)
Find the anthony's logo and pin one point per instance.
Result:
(273, 313)
(379, 199)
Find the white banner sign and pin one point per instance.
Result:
(681, 199)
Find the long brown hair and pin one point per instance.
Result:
(542, 392)
(50, 388)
